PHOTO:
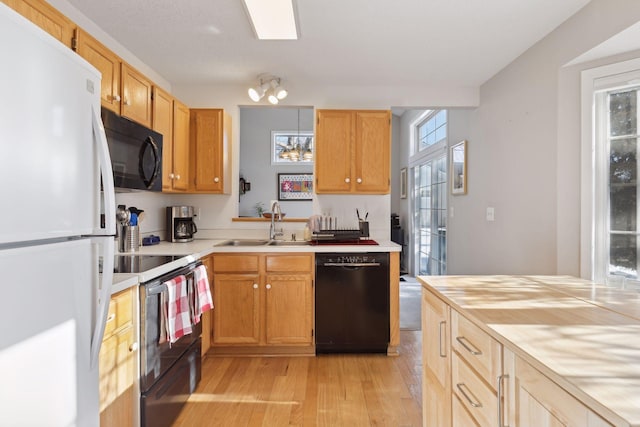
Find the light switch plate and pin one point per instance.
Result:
(491, 214)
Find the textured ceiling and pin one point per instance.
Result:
(460, 43)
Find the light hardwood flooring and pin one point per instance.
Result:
(327, 390)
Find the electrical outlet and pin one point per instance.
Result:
(196, 212)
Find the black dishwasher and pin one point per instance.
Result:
(352, 302)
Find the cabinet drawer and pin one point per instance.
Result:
(475, 395)
(301, 262)
(120, 311)
(235, 263)
(474, 345)
(461, 418)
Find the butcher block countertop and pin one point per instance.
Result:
(583, 336)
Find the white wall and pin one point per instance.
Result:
(524, 156)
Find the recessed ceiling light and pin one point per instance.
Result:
(273, 19)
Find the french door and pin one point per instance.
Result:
(430, 215)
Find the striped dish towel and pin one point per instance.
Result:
(175, 310)
(204, 301)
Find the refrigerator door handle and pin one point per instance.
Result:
(104, 295)
(106, 172)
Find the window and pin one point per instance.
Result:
(617, 130)
(432, 130)
(610, 214)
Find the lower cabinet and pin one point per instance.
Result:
(471, 379)
(538, 401)
(117, 365)
(436, 361)
(262, 302)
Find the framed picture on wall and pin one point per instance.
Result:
(458, 168)
(291, 148)
(295, 186)
(403, 183)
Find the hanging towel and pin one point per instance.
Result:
(178, 321)
(203, 292)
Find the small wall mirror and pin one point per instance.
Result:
(266, 132)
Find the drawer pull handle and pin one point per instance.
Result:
(442, 354)
(255, 286)
(462, 387)
(111, 317)
(500, 400)
(133, 347)
(469, 347)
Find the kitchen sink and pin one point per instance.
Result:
(243, 242)
(288, 243)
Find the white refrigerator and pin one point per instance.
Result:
(53, 301)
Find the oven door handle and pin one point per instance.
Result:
(351, 264)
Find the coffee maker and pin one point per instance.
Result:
(180, 224)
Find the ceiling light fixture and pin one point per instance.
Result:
(270, 86)
(272, 20)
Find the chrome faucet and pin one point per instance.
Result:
(272, 231)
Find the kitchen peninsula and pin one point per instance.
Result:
(529, 350)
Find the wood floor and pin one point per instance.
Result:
(327, 390)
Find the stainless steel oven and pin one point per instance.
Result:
(169, 373)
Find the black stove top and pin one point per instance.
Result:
(140, 263)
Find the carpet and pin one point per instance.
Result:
(410, 300)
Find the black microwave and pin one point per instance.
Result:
(136, 153)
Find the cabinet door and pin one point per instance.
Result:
(436, 361)
(180, 146)
(334, 151)
(163, 123)
(136, 96)
(208, 141)
(236, 317)
(372, 152)
(539, 401)
(46, 17)
(289, 315)
(107, 62)
(117, 372)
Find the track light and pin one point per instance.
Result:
(270, 86)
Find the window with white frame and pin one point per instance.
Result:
(431, 130)
(613, 109)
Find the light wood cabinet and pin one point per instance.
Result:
(123, 90)
(107, 62)
(436, 361)
(136, 96)
(471, 379)
(538, 401)
(210, 146)
(117, 362)
(46, 17)
(171, 119)
(262, 301)
(353, 152)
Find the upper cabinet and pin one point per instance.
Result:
(171, 119)
(46, 17)
(124, 90)
(136, 96)
(107, 62)
(353, 152)
(210, 151)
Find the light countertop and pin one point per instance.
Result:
(583, 336)
(199, 248)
